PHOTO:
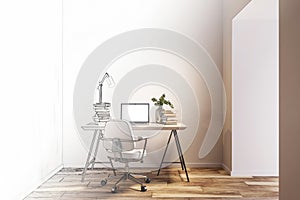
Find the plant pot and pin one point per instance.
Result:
(159, 115)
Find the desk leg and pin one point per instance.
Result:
(178, 149)
(162, 160)
(181, 154)
(87, 163)
(96, 149)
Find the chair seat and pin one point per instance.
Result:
(135, 154)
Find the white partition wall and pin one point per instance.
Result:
(230, 9)
(255, 89)
(31, 106)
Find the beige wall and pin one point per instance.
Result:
(289, 98)
(198, 20)
(230, 9)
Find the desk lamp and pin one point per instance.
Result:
(110, 82)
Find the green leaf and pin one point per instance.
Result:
(154, 99)
(161, 101)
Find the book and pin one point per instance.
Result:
(103, 112)
(170, 122)
(168, 112)
(103, 104)
(171, 119)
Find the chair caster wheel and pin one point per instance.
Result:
(103, 182)
(114, 189)
(143, 188)
(147, 180)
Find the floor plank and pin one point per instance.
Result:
(205, 183)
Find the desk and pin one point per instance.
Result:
(149, 126)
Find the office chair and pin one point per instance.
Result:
(120, 145)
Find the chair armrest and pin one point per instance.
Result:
(139, 138)
(115, 144)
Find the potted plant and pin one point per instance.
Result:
(159, 111)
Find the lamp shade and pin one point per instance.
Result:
(110, 81)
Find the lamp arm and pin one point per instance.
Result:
(104, 77)
(100, 92)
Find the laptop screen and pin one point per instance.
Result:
(135, 112)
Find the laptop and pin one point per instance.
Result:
(135, 112)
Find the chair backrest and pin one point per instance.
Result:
(120, 136)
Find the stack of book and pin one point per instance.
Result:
(102, 112)
(169, 117)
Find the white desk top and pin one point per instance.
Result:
(148, 126)
(156, 126)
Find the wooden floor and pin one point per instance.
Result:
(170, 184)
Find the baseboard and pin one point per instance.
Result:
(77, 166)
(254, 173)
(226, 168)
(203, 165)
(33, 187)
(248, 173)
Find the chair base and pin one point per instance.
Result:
(131, 177)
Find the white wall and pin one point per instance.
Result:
(87, 24)
(230, 9)
(30, 108)
(255, 90)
